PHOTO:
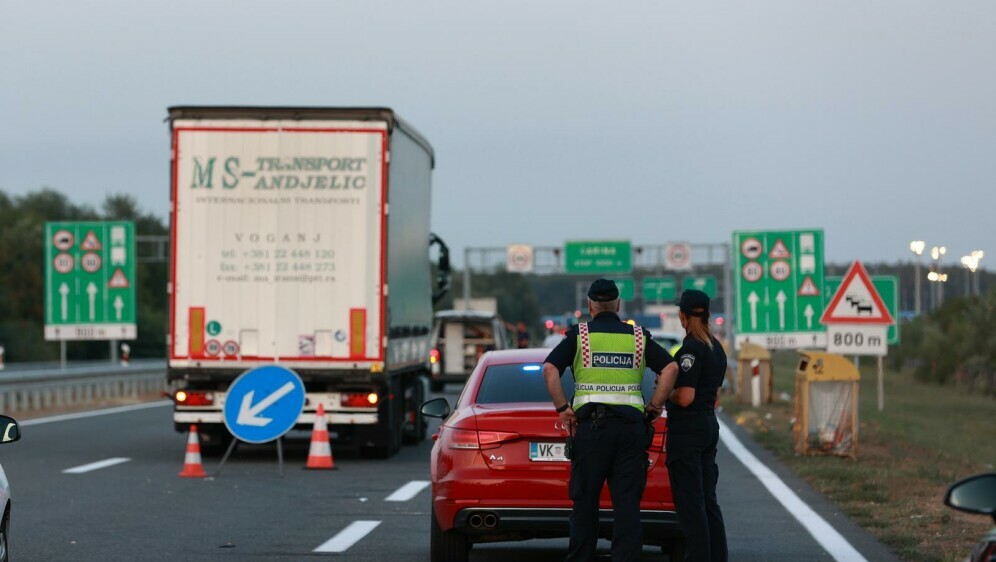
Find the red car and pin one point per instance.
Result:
(498, 470)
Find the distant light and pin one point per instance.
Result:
(549, 324)
(719, 321)
(531, 368)
(577, 314)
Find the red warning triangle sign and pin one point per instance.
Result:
(779, 251)
(90, 242)
(808, 288)
(856, 301)
(118, 280)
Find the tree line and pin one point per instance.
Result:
(22, 276)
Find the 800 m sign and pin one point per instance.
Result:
(857, 340)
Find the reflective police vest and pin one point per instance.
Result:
(608, 368)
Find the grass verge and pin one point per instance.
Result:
(926, 438)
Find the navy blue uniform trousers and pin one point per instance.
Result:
(613, 450)
(691, 465)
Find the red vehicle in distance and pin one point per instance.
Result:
(498, 466)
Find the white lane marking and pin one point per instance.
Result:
(828, 537)
(408, 491)
(95, 465)
(93, 413)
(348, 536)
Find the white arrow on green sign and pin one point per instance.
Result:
(90, 281)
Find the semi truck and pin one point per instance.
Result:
(300, 237)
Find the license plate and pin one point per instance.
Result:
(547, 452)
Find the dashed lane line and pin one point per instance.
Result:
(348, 536)
(95, 465)
(827, 537)
(408, 491)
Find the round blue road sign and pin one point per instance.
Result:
(263, 404)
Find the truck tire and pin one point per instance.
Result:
(415, 434)
(447, 546)
(214, 442)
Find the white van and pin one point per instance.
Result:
(459, 338)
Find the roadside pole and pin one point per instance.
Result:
(466, 278)
(881, 386)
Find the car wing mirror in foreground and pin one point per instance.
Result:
(975, 494)
(11, 431)
(436, 408)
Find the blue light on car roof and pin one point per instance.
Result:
(530, 367)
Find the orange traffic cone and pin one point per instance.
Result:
(192, 467)
(320, 454)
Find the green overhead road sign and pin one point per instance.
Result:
(627, 288)
(778, 288)
(704, 283)
(90, 281)
(598, 257)
(659, 290)
(887, 287)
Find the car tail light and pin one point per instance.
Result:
(469, 439)
(434, 356)
(194, 398)
(658, 442)
(492, 439)
(463, 439)
(360, 399)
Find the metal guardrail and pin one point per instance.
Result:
(45, 388)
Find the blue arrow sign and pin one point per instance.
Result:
(263, 404)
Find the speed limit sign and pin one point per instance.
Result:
(678, 256)
(520, 258)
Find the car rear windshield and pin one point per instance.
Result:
(523, 382)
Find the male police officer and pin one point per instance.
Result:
(608, 358)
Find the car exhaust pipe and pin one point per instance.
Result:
(490, 520)
(475, 521)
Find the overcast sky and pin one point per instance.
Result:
(649, 121)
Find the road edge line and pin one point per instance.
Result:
(94, 413)
(825, 535)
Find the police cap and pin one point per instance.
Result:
(603, 290)
(694, 303)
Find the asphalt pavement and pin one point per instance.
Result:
(122, 500)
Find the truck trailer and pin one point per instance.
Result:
(300, 237)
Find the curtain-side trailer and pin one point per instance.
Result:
(300, 237)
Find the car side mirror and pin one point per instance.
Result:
(975, 494)
(11, 431)
(436, 408)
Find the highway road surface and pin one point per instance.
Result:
(105, 487)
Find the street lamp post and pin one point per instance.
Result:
(936, 253)
(971, 262)
(917, 247)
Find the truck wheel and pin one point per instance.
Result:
(214, 443)
(415, 433)
(447, 546)
(675, 551)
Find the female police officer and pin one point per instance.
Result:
(693, 432)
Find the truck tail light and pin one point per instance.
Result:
(434, 356)
(194, 398)
(360, 399)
